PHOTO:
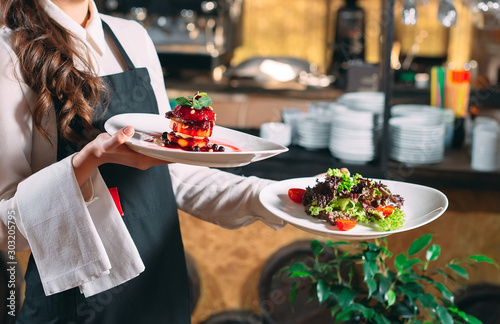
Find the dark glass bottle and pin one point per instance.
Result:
(349, 42)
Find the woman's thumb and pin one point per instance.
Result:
(128, 131)
(119, 138)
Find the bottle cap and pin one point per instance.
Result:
(460, 76)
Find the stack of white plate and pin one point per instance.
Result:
(432, 115)
(291, 116)
(354, 135)
(415, 140)
(364, 101)
(313, 131)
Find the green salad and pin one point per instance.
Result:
(341, 198)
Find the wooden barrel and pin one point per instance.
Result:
(481, 300)
(193, 281)
(274, 290)
(236, 316)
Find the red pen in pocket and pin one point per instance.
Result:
(116, 199)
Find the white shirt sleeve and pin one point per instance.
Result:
(70, 240)
(15, 146)
(219, 197)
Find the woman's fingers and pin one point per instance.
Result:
(118, 138)
(115, 151)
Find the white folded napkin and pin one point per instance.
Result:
(74, 244)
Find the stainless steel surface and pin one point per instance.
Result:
(485, 14)
(409, 12)
(447, 14)
(195, 27)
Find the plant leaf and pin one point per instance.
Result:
(390, 296)
(371, 251)
(459, 270)
(444, 315)
(444, 274)
(300, 274)
(405, 309)
(427, 300)
(482, 258)
(386, 252)
(370, 268)
(444, 291)
(367, 312)
(467, 318)
(433, 253)
(399, 261)
(346, 297)
(298, 269)
(472, 319)
(372, 286)
(322, 290)
(384, 284)
(411, 290)
(371, 255)
(316, 247)
(419, 244)
(335, 244)
(344, 315)
(410, 263)
(298, 266)
(381, 319)
(334, 310)
(294, 291)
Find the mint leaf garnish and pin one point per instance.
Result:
(183, 101)
(203, 101)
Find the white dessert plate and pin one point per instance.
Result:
(240, 148)
(422, 205)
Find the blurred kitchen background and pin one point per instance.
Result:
(266, 62)
(222, 41)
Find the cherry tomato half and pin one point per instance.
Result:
(346, 224)
(296, 194)
(386, 210)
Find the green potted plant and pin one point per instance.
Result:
(403, 289)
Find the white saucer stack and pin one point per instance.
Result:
(313, 131)
(417, 134)
(364, 101)
(355, 134)
(416, 140)
(433, 115)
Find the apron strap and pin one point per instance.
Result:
(123, 53)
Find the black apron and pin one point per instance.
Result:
(159, 294)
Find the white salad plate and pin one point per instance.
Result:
(422, 205)
(240, 148)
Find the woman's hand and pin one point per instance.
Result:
(109, 149)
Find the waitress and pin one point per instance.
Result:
(64, 70)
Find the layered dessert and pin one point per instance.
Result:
(192, 122)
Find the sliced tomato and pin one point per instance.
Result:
(346, 224)
(296, 194)
(386, 210)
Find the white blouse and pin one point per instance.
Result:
(37, 191)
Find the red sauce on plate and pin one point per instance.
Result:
(213, 146)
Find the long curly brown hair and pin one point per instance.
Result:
(47, 56)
